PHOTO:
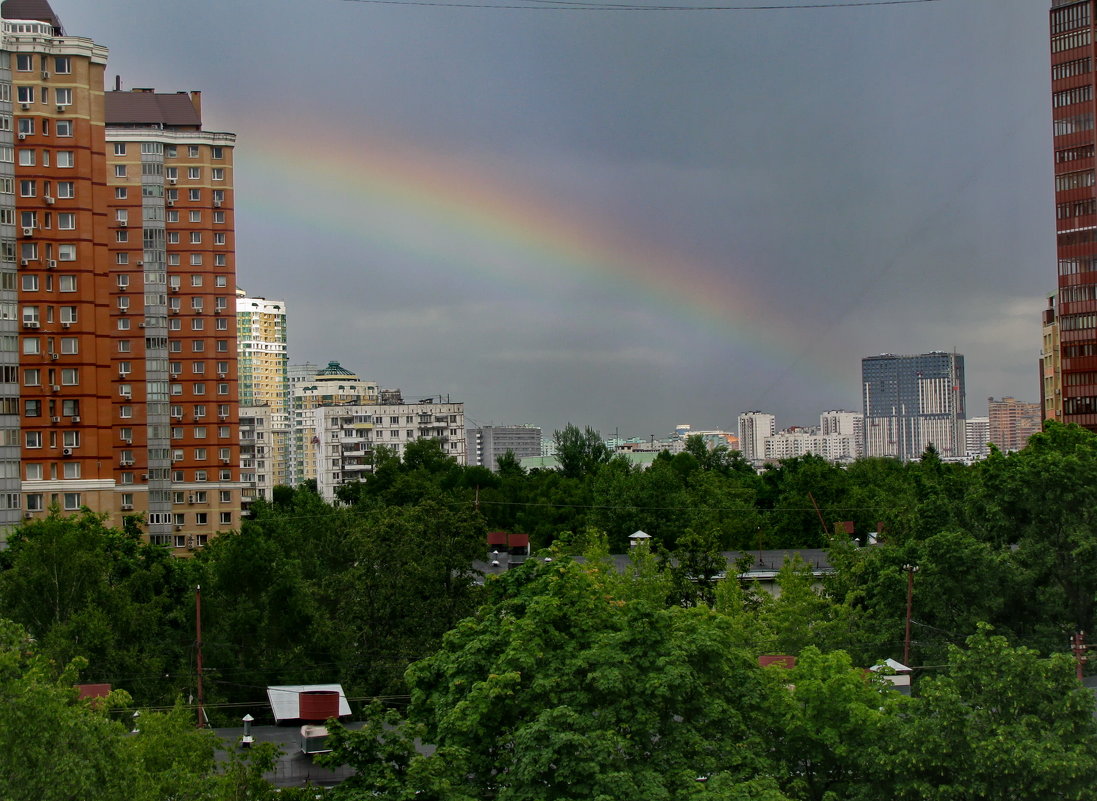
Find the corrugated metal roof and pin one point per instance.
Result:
(29, 9)
(285, 699)
(174, 109)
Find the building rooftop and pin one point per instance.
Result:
(146, 107)
(30, 9)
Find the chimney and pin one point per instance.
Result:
(196, 99)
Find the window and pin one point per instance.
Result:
(33, 439)
(195, 216)
(68, 314)
(219, 260)
(219, 217)
(221, 281)
(173, 237)
(121, 236)
(32, 346)
(119, 148)
(62, 96)
(24, 62)
(196, 259)
(28, 189)
(63, 128)
(66, 221)
(218, 173)
(34, 473)
(70, 376)
(72, 501)
(66, 189)
(119, 170)
(222, 324)
(123, 324)
(66, 283)
(217, 152)
(200, 389)
(194, 194)
(25, 94)
(198, 346)
(196, 237)
(66, 252)
(66, 158)
(70, 439)
(26, 126)
(34, 500)
(192, 151)
(200, 454)
(226, 518)
(26, 156)
(70, 345)
(194, 173)
(32, 408)
(222, 389)
(30, 283)
(199, 475)
(62, 65)
(219, 238)
(70, 407)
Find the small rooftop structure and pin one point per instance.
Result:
(299, 702)
(39, 10)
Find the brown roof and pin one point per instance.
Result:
(151, 108)
(29, 9)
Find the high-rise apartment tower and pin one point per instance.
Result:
(912, 402)
(117, 278)
(1069, 360)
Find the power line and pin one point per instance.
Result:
(567, 5)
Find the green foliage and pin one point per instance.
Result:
(580, 453)
(1001, 724)
(562, 690)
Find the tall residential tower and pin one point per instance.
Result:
(912, 402)
(1069, 359)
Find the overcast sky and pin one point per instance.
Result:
(627, 219)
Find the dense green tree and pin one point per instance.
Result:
(1000, 724)
(580, 452)
(562, 691)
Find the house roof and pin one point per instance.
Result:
(30, 9)
(142, 107)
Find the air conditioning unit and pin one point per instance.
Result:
(30, 324)
(28, 232)
(75, 418)
(51, 263)
(127, 440)
(190, 499)
(171, 202)
(140, 264)
(217, 204)
(66, 325)
(223, 416)
(66, 452)
(24, 262)
(127, 396)
(60, 108)
(25, 107)
(55, 419)
(55, 356)
(178, 528)
(22, 137)
(56, 388)
(27, 516)
(45, 75)
(222, 375)
(144, 476)
(127, 507)
(126, 462)
(49, 200)
(173, 181)
(175, 289)
(141, 325)
(123, 223)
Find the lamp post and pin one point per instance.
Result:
(910, 570)
(247, 739)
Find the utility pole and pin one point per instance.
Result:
(198, 646)
(910, 570)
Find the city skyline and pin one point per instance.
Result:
(600, 217)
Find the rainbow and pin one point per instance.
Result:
(399, 199)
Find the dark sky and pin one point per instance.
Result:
(627, 219)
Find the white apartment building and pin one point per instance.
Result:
(342, 439)
(754, 427)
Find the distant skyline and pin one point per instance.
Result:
(627, 220)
